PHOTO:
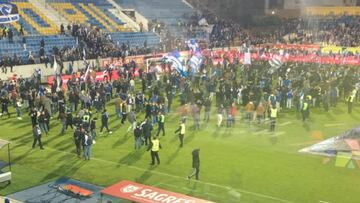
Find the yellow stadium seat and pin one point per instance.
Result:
(101, 13)
(76, 17)
(87, 9)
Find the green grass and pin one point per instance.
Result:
(245, 160)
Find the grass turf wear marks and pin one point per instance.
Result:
(230, 158)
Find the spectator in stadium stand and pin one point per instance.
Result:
(37, 136)
(62, 29)
(24, 43)
(10, 35)
(195, 164)
(181, 131)
(31, 59)
(21, 30)
(154, 148)
(42, 43)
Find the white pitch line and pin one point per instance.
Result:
(184, 188)
(303, 143)
(334, 124)
(261, 132)
(183, 178)
(286, 123)
(279, 133)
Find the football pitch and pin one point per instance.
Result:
(245, 163)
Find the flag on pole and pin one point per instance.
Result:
(57, 74)
(55, 66)
(275, 63)
(84, 54)
(195, 63)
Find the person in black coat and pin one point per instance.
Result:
(37, 136)
(69, 120)
(105, 121)
(137, 136)
(33, 116)
(78, 138)
(195, 164)
(4, 105)
(147, 128)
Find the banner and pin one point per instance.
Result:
(119, 62)
(8, 13)
(99, 76)
(144, 194)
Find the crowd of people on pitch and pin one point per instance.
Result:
(223, 90)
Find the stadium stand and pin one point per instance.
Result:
(36, 26)
(33, 45)
(169, 12)
(136, 39)
(91, 11)
(33, 18)
(334, 11)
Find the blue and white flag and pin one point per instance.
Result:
(275, 63)
(177, 63)
(193, 46)
(195, 63)
(8, 13)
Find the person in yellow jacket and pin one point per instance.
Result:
(154, 149)
(350, 100)
(305, 112)
(161, 124)
(273, 116)
(181, 131)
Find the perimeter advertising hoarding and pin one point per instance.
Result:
(145, 194)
